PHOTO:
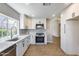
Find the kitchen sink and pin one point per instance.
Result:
(14, 39)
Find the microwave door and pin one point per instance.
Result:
(39, 26)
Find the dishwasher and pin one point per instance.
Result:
(11, 51)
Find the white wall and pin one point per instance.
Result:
(70, 31)
(52, 28)
(55, 27)
(49, 30)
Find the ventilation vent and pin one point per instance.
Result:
(46, 4)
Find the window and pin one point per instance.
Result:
(0, 28)
(12, 27)
(3, 26)
(8, 26)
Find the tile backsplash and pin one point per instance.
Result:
(23, 31)
(28, 31)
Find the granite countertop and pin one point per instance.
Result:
(6, 44)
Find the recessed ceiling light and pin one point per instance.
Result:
(27, 3)
(53, 15)
(66, 3)
(46, 4)
(33, 15)
(61, 15)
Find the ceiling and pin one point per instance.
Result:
(38, 10)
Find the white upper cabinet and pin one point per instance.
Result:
(29, 23)
(25, 22)
(71, 12)
(76, 9)
(22, 21)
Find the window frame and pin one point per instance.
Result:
(9, 37)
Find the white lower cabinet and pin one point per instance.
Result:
(22, 46)
(28, 41)
(19, 48)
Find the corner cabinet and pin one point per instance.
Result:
(22, 21)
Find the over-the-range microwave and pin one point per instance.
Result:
(39, 26)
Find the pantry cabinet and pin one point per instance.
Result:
(70, 12)
(70, 30)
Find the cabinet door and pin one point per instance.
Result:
(29, 23)
(29, 37)
(22, 21)
(33, 24)
(25, 45)
(19, 49)
(27, 42)
(26, 22)
(32, 37)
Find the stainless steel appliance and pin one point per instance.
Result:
(40, 38)
(11, 51)
(39, 26)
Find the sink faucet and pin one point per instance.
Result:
(12, 31)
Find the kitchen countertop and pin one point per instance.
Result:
(6, 44)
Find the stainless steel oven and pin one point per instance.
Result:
(40, 38)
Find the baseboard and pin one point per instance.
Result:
(56, 35)
(70, 53)
(49, 41)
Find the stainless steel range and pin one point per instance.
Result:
(40, 37)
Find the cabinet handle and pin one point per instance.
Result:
(23, 44)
